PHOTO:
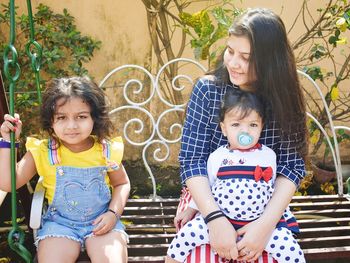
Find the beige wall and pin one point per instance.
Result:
(121, 25)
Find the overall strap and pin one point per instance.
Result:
(106, 151)
(54, 157)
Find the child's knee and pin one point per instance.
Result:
(58, 249)
(111, 247)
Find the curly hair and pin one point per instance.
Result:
(80, 87)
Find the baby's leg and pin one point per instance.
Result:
(107, 248)
(58, 250)
(284, 248)
(193, 234)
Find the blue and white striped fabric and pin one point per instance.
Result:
(202, 135)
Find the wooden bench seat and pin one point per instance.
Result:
(324, 222)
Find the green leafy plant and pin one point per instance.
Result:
(65, 50)
(328, 46)
(207, 27)
(308, 186)
(325, 161)
(170, 23)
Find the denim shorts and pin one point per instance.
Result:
(77, 232)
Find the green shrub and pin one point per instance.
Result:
(65, 50)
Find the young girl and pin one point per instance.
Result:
(257, 58)
(79, 165)
(241, 175)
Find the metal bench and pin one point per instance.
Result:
(324, 220)
(324, 223)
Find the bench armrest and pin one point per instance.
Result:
(37, 205)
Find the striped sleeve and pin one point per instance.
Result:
(289, 162)
(196, 135)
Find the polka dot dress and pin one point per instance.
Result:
(243, 198)
(282, 246)
(193, 234)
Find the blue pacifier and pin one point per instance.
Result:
(244, 139)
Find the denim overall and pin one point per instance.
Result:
(81, 195)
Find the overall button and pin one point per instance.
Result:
(60, 171)
(104, 172)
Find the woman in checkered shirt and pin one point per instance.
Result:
(258, 58)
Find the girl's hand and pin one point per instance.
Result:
(183, 217)
(222, 238)
(104, 223)
(255, 237)
(11, 124)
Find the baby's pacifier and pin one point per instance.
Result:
(244, 139)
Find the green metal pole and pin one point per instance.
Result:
(36, 55)
(16, 235)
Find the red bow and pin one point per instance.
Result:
(259, 173)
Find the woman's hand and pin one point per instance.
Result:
(11, 124)
(222, 235)
(183, 217)
(255, 236)
(222, 238)
(104, 223)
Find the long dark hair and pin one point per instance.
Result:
(80, 87)
(272, 60)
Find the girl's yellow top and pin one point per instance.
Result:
(90, 158)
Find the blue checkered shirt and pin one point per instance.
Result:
(202, 135)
